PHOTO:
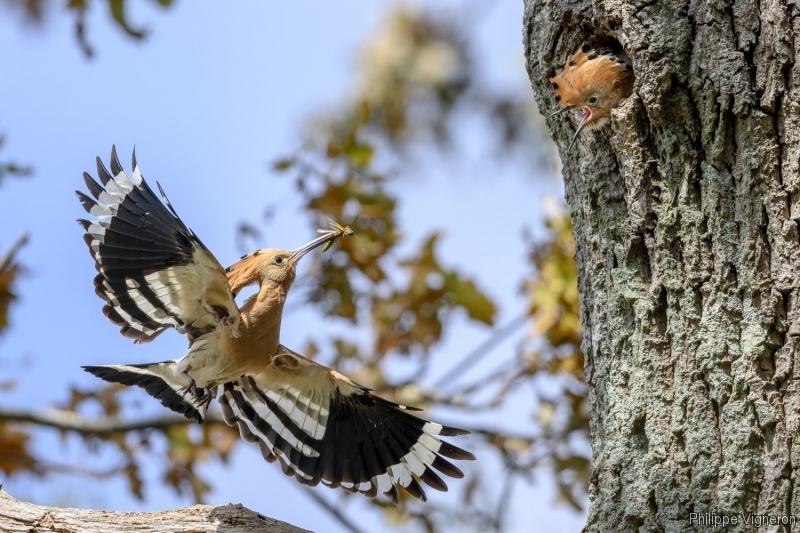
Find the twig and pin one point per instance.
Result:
(341, 518)
(49, 468)
(70, 421)
(493, 433)
(504, 501)
(483, 349)
(5, 262)
(488, 378)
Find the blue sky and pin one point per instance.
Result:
(210, 99)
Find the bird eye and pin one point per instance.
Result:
(593, 100)
(278, 260)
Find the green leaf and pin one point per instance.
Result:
(468, 296)
(118, 12)
(12, 169)
(359, 154)
(9, 270)
(283, 164)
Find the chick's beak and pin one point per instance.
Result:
(319, 241)
(562, 110)
(588, 112)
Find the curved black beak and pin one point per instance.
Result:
(587, 116)
(319, 241)
(562, 110)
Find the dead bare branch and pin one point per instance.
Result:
(17, 516)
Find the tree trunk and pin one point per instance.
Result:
(686, 217)
(17, 516)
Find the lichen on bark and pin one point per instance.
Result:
(685, 213)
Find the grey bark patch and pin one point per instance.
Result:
(685, 212)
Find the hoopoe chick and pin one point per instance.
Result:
(593, 80)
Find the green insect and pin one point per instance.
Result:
(337, 229)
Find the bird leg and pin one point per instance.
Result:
(205, 399)
(202, 398)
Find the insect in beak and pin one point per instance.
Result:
(338, 230)
(327, 238)
(587, 116)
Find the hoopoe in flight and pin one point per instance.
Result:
(594, 81)
(154, 273)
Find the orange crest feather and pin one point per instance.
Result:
(592, 72)
(243, 272)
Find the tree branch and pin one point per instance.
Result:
(19, 517)
(484, 349)
(338, 515)
(71, 421)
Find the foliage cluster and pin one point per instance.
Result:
(417, 79)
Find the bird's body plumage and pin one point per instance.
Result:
(593, 80)
(154, 273)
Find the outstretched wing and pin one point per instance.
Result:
(162, 381)
(323, 427)
(154, 273)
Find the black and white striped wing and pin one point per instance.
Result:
(154, 273)
(163, 381)
(323, 427)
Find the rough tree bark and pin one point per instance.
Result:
(17, 516)
(686, 215)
